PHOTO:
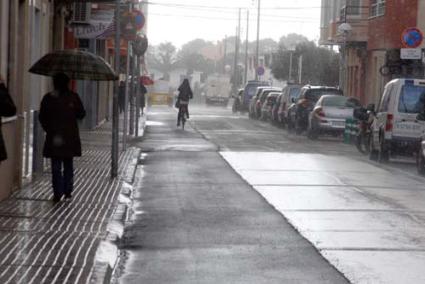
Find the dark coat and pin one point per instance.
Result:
(59, 113)
(185, 92)
(7, 108)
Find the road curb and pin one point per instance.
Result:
(108, 255)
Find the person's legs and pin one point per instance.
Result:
(187, 111)
(68, 176)
(178, 116)
(57, 178)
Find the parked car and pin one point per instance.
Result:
(262, 98)
(251, 109)
(267, 106)
(249, 91)
(309, 95)
(275, 109)
(395, 128)
(329, 115)
(290, 95)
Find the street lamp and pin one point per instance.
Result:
(344, 29)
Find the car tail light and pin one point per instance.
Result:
(319, 112)
(389, 124)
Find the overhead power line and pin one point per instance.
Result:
(282, 19)
(175, 5)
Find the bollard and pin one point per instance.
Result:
(351, 130)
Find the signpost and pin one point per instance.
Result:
(260, 70)
(411, 38)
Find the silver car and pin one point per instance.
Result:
(329, 115)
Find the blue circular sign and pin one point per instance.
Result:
(260, 70)
(411, 37)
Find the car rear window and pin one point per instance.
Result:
(340, 101)
(294, 93)
(412, 99)
(251, 90)
(315, 95)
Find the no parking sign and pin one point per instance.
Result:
(411, 37)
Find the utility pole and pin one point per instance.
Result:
(237, 41)
(290, 66)
(257, 51)
(300, 69)
(115, 113)
(225, 54)
(246, 47)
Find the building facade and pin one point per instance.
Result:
(368, 34)
(30, 29)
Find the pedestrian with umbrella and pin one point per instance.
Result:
(61, 109)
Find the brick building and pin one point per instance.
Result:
(370, 51)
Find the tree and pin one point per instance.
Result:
(190, 57)
(290, 41)
(163, 58)
(320, 65)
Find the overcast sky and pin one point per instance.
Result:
(180, 21)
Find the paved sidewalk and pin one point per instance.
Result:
(196, 221)
(42, 242)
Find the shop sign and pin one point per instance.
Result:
(100, 22)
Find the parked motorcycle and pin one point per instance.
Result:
(365, 117)
(301, 116)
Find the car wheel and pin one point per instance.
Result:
(420, 163)
(373, 153)
(384, 154)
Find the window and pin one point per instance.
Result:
(412, 99)
(353, 7)
(377, 8)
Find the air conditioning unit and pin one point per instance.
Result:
(81, 13)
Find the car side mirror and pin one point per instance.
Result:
(421, 116)
(371, 107)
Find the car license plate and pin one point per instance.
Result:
(338, 123)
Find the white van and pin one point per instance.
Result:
(395, 129)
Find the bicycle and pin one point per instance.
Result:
(182, 115)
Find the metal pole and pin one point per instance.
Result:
(235, 70)
(225, 54)
(137, 95)
(300, 68)
(115, 113)
(127, 87)
(133, 75)
(290, 67)
(257, 51)
(246, 47)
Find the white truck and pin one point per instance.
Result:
(218, 90)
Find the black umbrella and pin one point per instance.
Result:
(77, 64)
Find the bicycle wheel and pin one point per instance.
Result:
(183, 118)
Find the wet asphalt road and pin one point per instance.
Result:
(195, 220)
(221, 221)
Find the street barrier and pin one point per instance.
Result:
(351, 130)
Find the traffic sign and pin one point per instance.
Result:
(260, 70)
(411, 37)
(411, 53)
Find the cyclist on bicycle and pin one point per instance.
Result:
(185, 94)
